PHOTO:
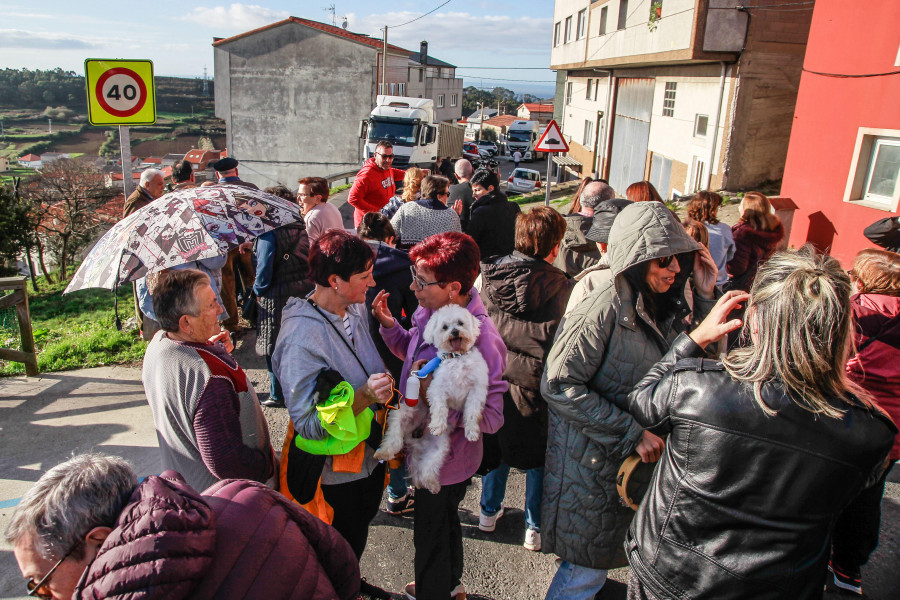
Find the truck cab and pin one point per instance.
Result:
(408, 124)
(522, 136)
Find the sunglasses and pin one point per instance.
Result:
(385, 156)
(421, 284)
(34, 589)
(665, 261)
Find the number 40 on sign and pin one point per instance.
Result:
(120, 92)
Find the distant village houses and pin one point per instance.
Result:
(293, 93)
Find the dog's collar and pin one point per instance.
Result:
(446, 355)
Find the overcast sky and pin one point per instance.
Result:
(177, 36)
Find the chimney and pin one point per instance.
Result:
(423, 52)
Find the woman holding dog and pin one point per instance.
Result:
(444, 270)
(607, 342)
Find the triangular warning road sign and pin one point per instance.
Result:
(552, 140)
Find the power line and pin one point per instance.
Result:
(849, 76)
(511, 68)
(420, 17)
(499, 79)
(775, 6)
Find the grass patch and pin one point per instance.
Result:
(340, 188)
(75, 331)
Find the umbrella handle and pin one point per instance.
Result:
(116, 307)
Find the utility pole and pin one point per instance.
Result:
(49, 125)
(481, 122)
(384, 63)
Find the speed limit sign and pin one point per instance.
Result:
(120, 92)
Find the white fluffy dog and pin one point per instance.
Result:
(460, 383)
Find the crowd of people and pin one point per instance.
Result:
(757, 386)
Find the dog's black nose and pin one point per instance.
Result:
(454, 332)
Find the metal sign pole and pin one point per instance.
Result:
(549, 160)
(125, 153)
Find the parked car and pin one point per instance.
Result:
(524, 181)
(471, 151)
(489, 146)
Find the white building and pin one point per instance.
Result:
(684, 94)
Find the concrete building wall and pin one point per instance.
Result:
(571, 50)
(292, 98)
(448, 87)
(673, 32)
(583, 108)
(769, 77)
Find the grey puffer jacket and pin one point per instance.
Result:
(604, 346)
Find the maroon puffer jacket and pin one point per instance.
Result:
(752, 248)
(238, 540)
(877, 365)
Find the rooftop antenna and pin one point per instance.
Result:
(333, 14)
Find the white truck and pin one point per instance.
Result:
(523, 136)
(409, 124)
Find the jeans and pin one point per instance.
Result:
(493, 490)
(397, 487)
(572, 582)
(275, 392)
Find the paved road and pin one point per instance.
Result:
(45, 420)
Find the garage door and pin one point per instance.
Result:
(631, 132)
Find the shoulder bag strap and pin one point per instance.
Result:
(343, 339)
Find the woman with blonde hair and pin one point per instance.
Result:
(764, 448)
(875, 367)
(412, 183)
(756, 235)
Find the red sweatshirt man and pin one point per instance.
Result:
(374, 184)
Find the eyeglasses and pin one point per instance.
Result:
(444, 193)
(34, 589)
(385, 156)
(421, 284)
(665, 261)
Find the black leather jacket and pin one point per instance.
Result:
(742, 503)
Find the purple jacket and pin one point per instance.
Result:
(465, 456)
(239, 539)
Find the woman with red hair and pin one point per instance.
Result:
(444, 270)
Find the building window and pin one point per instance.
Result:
(401, 88)
(603, 20)
(454, 98)
(569, 92)
(590, 86)
(875, 171)
(669, 99)
(582, 23)
(568, 29)
(697, 170)
(701, 122)
(440, 102)
(393, 89)
(623, 14)
(596, 89)
(556, 34)
(421, 75)
(588, 134)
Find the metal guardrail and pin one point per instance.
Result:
(344, 177)
(19, 299)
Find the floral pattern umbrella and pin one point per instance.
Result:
(181, 226)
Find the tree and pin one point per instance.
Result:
(17, 227)
(67, 194)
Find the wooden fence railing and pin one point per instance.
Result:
(19, 299)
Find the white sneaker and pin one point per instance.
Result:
(532, 540)
(489, 523)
